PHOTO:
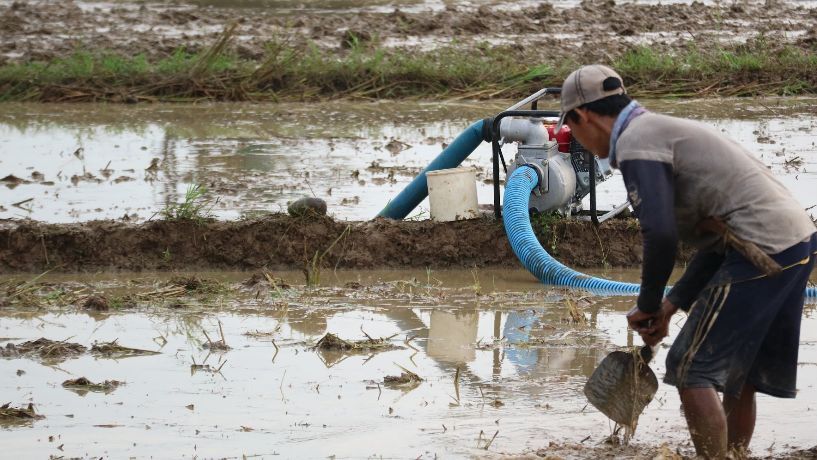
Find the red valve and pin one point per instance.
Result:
(563, 137)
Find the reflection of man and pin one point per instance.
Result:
(687, 181)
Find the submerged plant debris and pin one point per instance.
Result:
(195, 284)
(44, 349)
(18, 414)
(331, 342)
(204, 367)
(265, 279)
(83, 385)
(406, 379)
(217, 345)
(113, 350)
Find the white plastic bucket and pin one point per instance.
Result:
(453, 194)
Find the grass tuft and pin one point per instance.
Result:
(195, 206)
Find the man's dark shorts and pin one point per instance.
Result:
(744, 328)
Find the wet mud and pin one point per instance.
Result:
(311, 244)
(42, 30)
(448, 364)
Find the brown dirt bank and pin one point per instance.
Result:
(283, 242)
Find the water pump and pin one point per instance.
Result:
(567, 171)
(563, 165)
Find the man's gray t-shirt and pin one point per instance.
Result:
(679, 172)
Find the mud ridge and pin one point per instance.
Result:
(41, 30)
(280, 241)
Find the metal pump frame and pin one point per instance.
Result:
(497, 155)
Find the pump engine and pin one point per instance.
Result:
(563, 165)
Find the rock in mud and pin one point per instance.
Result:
(96, 302)
(307, 206)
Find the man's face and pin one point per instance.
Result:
(589, 133)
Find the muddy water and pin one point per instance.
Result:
(83, 162)
(522, 366)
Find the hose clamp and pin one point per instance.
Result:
(541, 174)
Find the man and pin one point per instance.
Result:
(686, 181)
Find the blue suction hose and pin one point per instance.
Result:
(450, 157)
(534, 257)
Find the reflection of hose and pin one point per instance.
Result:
(541, 264)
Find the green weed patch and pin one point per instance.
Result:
(369, 71)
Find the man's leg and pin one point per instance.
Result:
(706, 421)
(740, 418)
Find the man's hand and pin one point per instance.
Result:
(652, 327)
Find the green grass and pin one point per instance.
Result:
(368, 71)
(195, 206)
(744, 70)
(545, 227)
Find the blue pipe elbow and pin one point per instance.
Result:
(451, 157)
(534, 257)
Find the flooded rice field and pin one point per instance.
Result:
(42, 30)
(436, 364)
(68, 163)
(292, 6)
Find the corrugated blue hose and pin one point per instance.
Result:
(534, 257)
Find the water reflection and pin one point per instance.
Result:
(521, 371)
(452, 335)
(257, 158)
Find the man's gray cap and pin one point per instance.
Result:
(586, 85)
